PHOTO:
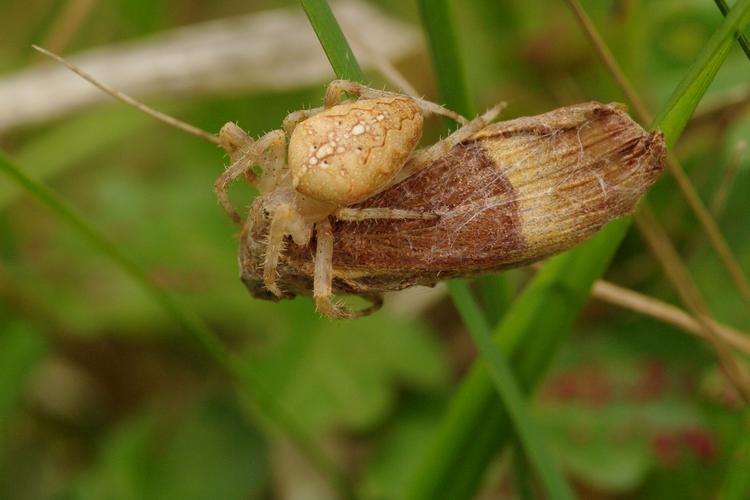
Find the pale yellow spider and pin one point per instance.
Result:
(338, 155)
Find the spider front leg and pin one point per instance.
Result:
(336, 89)
(269, 152)
(323, 279)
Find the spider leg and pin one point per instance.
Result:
(323, 280)
(336, 88)
(268, 151)
(296, 117)
(429, 155)
(361, 214)
(282, 218)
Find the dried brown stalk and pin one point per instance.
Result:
(689, 294)
(655, 236)
(687, 189)
(67, 24)
(649, 306)
(719, 199)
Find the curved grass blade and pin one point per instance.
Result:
(75, 137)
(475, 426)
(207, 340)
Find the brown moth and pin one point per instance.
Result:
(510, 194)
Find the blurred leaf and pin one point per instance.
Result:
(397, 453)
(21, 348)
(343, 373)
(736, 483)
(605, 405)
(212, 453)
(126, 467)
(72, 142)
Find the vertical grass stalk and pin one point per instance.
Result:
(475, 426)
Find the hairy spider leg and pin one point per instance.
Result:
(296, 117)
(323, 279)
(269, 152)
(335, 90)
(274, 247)
(425, 157)
(362, 214)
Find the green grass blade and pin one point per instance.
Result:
(475, 425)
(511, 396)
(265, 403)
(74, 137)
(332, 40)
(437, 21)
(456, 95)
(65, 212)
(685, 99)
(741, 38)
(736, 484)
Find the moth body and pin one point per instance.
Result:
(513, 193)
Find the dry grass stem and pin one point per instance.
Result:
(687, 189)
(719, 199)
(158, 115)
(667, 313)
(67, 24)
(678, 275)
(273, 50)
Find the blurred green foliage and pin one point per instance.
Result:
(101, 396)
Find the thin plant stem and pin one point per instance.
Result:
(741, 38)
(667, 313)
(474, 425)
(719, 198)
(707, 222)
(678, 275)
(158, 115)
(207, 340)
(667, 256)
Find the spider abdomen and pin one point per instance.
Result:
(348, 152)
